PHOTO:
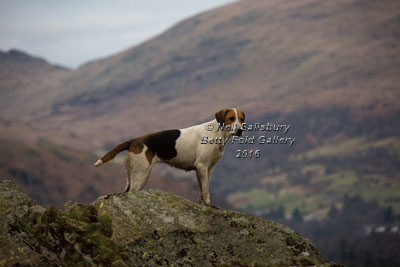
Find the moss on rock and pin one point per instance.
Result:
(148, 228)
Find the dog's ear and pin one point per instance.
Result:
(220, 115)
(241, 111)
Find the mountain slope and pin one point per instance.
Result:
(329, 69)
(52, 173)
(26, 83)
(263, 56)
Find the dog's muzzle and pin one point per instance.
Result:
(239, 132)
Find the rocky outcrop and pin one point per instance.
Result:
(148, 228)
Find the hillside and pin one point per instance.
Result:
(263, 56)
(26, 83)
(149, 228)
(329, 69)
(52, 173)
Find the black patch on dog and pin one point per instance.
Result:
(163, 143)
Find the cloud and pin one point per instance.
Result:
(73, 32)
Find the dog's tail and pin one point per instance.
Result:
(111, 154)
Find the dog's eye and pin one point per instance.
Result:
(232, 118)
(242, 120)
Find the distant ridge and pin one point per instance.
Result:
(266, 56)
(13, 56)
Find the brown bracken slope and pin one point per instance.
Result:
(262, 56)
(328, 68)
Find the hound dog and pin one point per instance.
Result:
(181, 148)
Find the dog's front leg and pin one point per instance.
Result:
(202, 179)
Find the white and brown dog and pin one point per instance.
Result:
(181, 148)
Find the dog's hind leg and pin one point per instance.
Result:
(138, 170)
(139, 179)
(128, 184)
(128, 172)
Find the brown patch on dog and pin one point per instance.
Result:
(163, 143)
(136, 146)
(160, 143)
(111, 154)
(149, 155)
(230, 117)
(241, 115)
(220, 115)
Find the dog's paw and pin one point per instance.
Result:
(210, 205)
(202, 202)
(213, 206)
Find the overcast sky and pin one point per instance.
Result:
(72, 32)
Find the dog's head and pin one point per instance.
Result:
(232, 117)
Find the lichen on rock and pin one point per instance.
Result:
(147, 228)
